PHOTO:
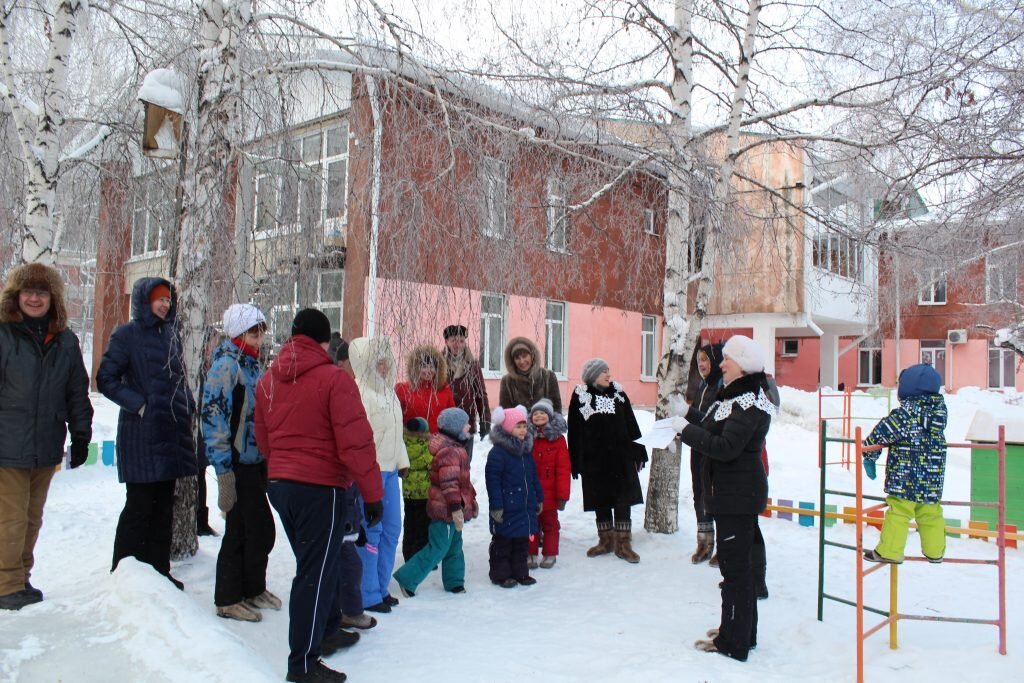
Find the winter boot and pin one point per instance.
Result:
(203, 527)
(624, 543)
(33, 590)
(531, 562)
(548, 562)
(759, 566)
(363, 622)
(713, 562)
(605, 540)
(239, 612)
(705, 545)
(320, 673)
(336, 641)
(19, 599)
(265, 600)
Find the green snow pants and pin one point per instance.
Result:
(931, 527)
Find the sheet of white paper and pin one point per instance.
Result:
(658, 437)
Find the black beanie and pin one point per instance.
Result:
(313, 324)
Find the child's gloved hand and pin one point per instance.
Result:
(498, 514)
(869, 469)
(459, 519)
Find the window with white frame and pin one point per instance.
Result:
(649, 221)
(790, 347)
(1002, 365)
(330, 292)
(494, 183)
(1001, 277)
(153, 213)
(648, 347)
(554, 337)
(558, 216)
(838, 254)
(301, 183)
(934, 290)
(492, 331)
(869, 366)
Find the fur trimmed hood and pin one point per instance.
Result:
(513, 345)
(499, 437)
(34, 275)
(555, 428)
(413, 363)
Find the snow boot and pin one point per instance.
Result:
(265, 600)
(624, 544)
(759, 567)
(363, 622)
(320, 673)
(239, 612)
(528, 581)
(531, 562)
(390, 600)
(35, 591)
(338, 640)
(605, 540)
(19, 599)
(713, 562)
(705, 547)
(548, 562)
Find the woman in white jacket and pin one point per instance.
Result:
(373, 365)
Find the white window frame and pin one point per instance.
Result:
(149, 209)
(869, 353)
(329, 304)
(649, 341)
(553, 326)
(557, 238)
(648, 222)
(494, 176)
(935, 284)
(1001, 277)
(837, 254)
(790, 354)
(487, 319)
(1003, 357)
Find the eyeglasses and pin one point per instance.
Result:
(39, 293)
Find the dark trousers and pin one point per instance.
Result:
(351, 584)
(468, 445)
(415, 527)
(704, 520)
(605, 515)
(738, 629)
(508, 558)
(249, 536)
(313, 518)
(758, 559)
(144, 528)
(202, 509)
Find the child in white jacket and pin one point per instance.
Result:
(373, 365)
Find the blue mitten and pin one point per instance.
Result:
(869, 469)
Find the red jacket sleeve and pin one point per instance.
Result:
(562, 470)
(260, 417)
(353, 437)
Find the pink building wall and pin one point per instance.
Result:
(966, 364)
(799, 371)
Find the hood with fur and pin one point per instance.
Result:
(412, 366)
(363, 354)
(499, 437)
(510, 365)
(555, 428)
(40, 275)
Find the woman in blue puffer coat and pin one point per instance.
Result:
(143, 372)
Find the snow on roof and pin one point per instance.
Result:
(164, 88)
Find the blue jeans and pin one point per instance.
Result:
(378, 555)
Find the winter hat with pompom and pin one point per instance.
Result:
(747, 353)
(545, 406)
(508, 418)
(239, 318)
(452, 421)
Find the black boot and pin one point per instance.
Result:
(203, 527)
(759, 567)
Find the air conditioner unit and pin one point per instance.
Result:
(956, 336)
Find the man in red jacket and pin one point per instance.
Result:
(311, 425)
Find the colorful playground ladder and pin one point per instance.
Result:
(892, 616)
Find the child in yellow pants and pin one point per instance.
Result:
(915, 466)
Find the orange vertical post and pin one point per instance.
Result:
(859, 533)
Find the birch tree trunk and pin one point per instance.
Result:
(205, 219)
(681, 332)
(38, 126)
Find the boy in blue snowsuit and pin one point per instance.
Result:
(915, 467)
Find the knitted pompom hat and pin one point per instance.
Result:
(545, 406)
(508, 418)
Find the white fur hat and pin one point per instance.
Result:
(747, 353)
(241, 317)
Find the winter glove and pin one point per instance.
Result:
(79, 452)
(485, 429)
(374, 512)
(361, 538)
(497, 515)
(403, 472)
(227, 495)
(540, 507)
(561, 505)
(459, 519)
(679, 423)
(869, 469)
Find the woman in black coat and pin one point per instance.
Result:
(602, 429)
(730, 435)
(142, 371)
(707, 360)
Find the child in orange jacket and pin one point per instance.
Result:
(551, 455)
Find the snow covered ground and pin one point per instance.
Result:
(586, 619)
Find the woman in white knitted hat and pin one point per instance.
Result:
(602, 430)
(730, 435)
(229, 406)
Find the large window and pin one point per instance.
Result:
(558, 216)
(838, 254)
(1002, 364)
(554, 337)
(494, 182)
(869, 371)
(492, 331)
(1001, 277)
(934, 290)
(301, 183)
(153, 214)
(648, 347)
(330, 293)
